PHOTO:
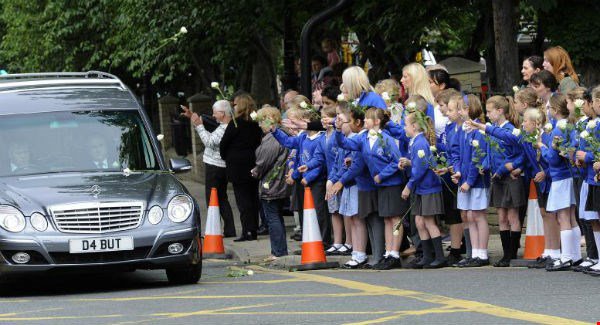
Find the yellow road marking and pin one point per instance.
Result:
(468, 305)
(209, 312)
(55, 317)
(399, 314)
(254, 281)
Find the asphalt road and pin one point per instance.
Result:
(224, 296)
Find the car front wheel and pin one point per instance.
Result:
(185, 275)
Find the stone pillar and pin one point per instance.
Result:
(199, 104)
(167, 106)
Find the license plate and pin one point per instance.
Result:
(106, 244)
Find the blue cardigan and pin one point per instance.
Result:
(422, 179)
(469, 172)
(371, 99)
(306, 151)
(512, 150)
(559, 166)
(339, 168)
(589, 171)
(396, 130)
(382, 161)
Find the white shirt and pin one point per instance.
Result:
(440, 121)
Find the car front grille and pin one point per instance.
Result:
(97, 217)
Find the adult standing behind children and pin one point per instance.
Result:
(558, 61)
(214, 165)
(240, 140)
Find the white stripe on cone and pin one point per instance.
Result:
(213, 221)
(310, 227)
(535, 225)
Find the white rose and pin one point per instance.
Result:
(591, 125)
(584, 134)
(385, 95)
(421, 153)
(548, 127)
(126, 172)
(183, 30)
(372, 133)
(475, 143)
(266, 186)
(515, 89)
(341, 98)
(482, 132)
(432, 148)
(160, 137)
(488, 124)
(304, 105)
(396, 233)
(411, 105)
(214, 85)
(250, 272)
(516, 132)
(562, 124)
(579, 103)
(253, 116)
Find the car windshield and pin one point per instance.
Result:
(74, 141)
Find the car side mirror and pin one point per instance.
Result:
(180, 165)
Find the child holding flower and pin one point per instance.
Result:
(427, 189)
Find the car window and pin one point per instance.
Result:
(74, 141)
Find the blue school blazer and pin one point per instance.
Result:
(422, 178)
(469, 171)
(559, 166)
(305, 149)
(512, 151)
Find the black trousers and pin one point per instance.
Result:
(246, 197)
(216, 177)
(323, 216)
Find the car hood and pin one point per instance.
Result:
(37, 193)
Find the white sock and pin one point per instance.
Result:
(360, 256)
(576, 243)
(475, 253)
(348, 245)
(546, 252)
(566, 243)
(337, 245)
(395, 254)
(483, 254)
(596, 267)
(554, 253)
(387, 253)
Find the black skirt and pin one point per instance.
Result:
(507, 193)
(542, 197)
(390, 202)
(428, 205)
(367, 203)
(451, 214)
(593, 198)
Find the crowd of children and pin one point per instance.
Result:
(386, 171)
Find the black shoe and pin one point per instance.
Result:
(297, 237)
(579, 261)
(389, 263)
(585, 265)
(353, 264)
(344, 250)
(454, 259)
(416, 263)
(462, 262)
(262, 230)
(592, 272)
(476, 262)
(229, 235)
(436, 264)
(332, 251)
(246, 237)
(502, 263)
(560, 265)
(540, 263)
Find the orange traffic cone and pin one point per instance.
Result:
(313, 252)
(534, 235)
(213, 237)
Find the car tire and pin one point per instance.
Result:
(185, 275)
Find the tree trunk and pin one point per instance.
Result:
(290, 78)
(263, 87)
(507, 65)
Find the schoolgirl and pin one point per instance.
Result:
(585, 156)
(561, 198)
(426, 188)
(473, 178)
(350, 124)
(381, 156)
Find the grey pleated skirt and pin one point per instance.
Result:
(428, 205)
(367, 203)
(390, 202)
(507, 193)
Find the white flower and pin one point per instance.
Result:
(183, 30)
(488, 124)
(482, 132)
(548, 127)
(160, 137)
(341, 98)
(516, 132)
(214, 85)
(579, 103)
(411, 105)
(253, 116)
(421, 153)
(126, 172)
(372, 133)
(396, 232)
(266, 186)
(250, 272)
(515, 89)
(591, 125)
(385, 95)
(562, 124)
(475, 143)
(584, 134)
(432, 148)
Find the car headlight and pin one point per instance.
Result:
(39, 222)
(11, 219)
(155, 215)
(180, 208)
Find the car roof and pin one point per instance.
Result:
(51, 92)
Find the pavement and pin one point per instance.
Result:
(255, 252)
